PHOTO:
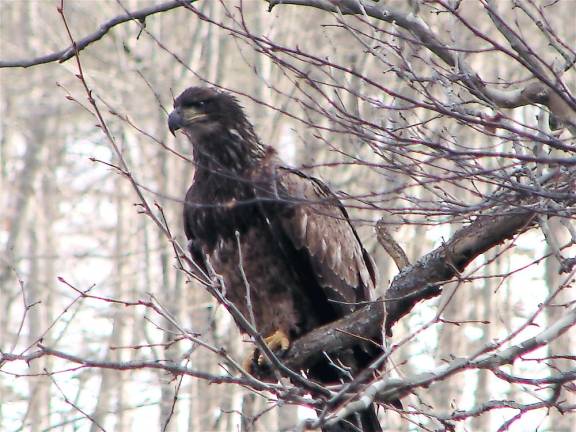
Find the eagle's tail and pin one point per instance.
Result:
(369, 420)
(365, 421)
(362, 421)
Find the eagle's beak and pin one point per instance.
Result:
(174, 121)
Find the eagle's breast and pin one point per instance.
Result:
(231, 208)
(261, 283)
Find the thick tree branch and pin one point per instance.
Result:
(365, 323)
(452, 257)
(417, 281)
(69, 52)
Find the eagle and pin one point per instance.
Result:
(282, 242)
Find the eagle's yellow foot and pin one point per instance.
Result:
(278, 341)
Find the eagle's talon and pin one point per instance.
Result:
(277, 341)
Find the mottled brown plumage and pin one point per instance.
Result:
(301, 256)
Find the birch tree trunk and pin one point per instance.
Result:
(563, 347)
(111, 392)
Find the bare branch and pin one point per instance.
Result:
(503, 99)
(452, 257)
(390, 389)
(390, 245)
(67, 53)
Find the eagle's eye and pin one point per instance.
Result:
(194, 104)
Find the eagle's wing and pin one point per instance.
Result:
(318, 224)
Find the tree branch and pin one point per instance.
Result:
(391, 389)
(561, 105)
(392, 248)
(67, 53)
(417, 281)
(452, 257)
(365, 323)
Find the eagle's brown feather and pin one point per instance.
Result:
(283, 243)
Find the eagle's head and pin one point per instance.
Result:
(203, 111)
(215, 124)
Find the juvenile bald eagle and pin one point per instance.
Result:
(302, 259)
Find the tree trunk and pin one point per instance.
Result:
(564, 345)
